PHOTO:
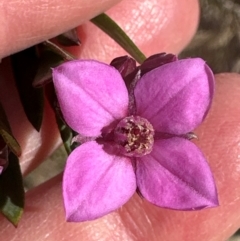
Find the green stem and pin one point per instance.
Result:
(106, 24)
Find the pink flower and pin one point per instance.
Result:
(141, 148)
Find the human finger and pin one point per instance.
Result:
(25, 23)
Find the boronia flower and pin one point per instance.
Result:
(141, 146)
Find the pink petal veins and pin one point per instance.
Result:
(96, 183)
(176, 175)
(91, 95)
(176, 96)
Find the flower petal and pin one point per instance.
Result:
(176, 96)
(176, 175)
(96, 183)
(91, 95)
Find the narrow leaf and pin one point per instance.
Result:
(105, 23)
(12, 191)
(6, 133)
(47, 61)
(66, 55)
(69, 38)
(25, 64)
(66, 134)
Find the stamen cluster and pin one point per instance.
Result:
(135, 135)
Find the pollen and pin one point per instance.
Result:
(135, 136)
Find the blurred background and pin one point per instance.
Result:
(218, 37)
(217, 41)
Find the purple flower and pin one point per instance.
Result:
(141, 148)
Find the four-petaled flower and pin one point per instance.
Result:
(142, 148)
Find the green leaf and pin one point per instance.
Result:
(12, 191)
(5, 132)
(25, 65)
(66, 134)
(65, 131)
(69, 38)
(61, 52)
(105, 23)
(48, 60)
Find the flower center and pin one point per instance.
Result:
(134, 135)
